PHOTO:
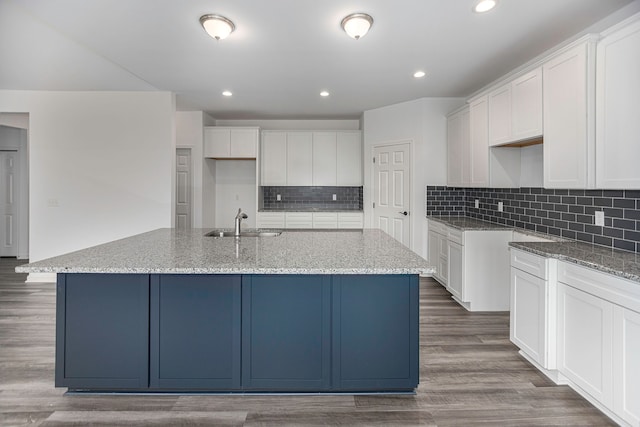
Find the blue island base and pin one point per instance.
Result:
(169, 333)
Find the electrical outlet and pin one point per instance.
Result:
(500, 207)
(278, 197)
(477, 204)
(599, 219)
(335, 198)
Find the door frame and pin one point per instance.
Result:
(368, 207)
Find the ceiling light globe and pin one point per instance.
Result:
(357, 25)
(419, 74)
(485, 6)
(227, 93)
(217, 26)
(324, 93)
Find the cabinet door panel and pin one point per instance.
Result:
(102, 331)
(349, 159)
(273, 160)
(479, 142)
(195, 332)
(500, 115)
(454, 150)
(299, 158)
(618, 127)
(528, 308)
(626, 365)
(375, 336)
(243, 143)
(455, 277)
(585, 345)
(286, 332)
(526, 102)
(216, 142)
(324, 158)
(566, 140)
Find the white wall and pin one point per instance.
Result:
(15, 138)
(422, 121)
(294, 124)
(99, 165)
(235, 188)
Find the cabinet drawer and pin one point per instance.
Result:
(456, 236)
(298, 220)
(437, 227)
(606, 286)
(530, 263)
(325, 220)
(270, 220)
(350, 220)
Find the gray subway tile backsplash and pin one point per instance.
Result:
(562, 212)
(321, 198)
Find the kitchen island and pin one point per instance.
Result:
(175, 311)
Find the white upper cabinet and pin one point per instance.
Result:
(478, 139)
(568, 119)
(617, 113)
(526, 106)
(349, 159)
(230, 143)
(515, 109)
(458, 150)
(500, 115)
(324, 159)
(299, 158)
(273, 159)
(306, 158)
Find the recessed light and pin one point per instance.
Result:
(419, 74)
(227, 93)
(484, 6)
(324, 93)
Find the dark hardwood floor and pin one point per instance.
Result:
(470, 374)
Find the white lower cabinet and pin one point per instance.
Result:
(589, 326)
(533, 308)
(626, 364)
(353, 220)
(585, 342)
(298, 220)
(270, 220)
(438, 251)
(325, 219)
(455, 276)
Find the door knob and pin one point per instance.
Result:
(405, 213)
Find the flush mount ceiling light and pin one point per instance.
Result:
(324, 93)
(227, 93)
(217, 26)
(357, 25)
(419, 74)
(484, 6)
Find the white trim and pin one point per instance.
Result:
(41, 278)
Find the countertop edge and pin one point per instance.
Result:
(574, 260)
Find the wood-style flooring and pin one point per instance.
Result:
(470, 374)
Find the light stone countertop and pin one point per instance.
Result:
(172, 251)
(613, 261)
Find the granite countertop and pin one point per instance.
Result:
(167, 250)
(472, 224)
(468, 224)
(311, 210)
(613, 261)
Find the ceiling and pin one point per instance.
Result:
(283, 52)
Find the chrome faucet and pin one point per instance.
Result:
(241, 215)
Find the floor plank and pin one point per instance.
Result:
(470, 375)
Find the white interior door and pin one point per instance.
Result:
(392, 190)
(183, 188)
(8, 203)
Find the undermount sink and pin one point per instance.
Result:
(227, 233)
